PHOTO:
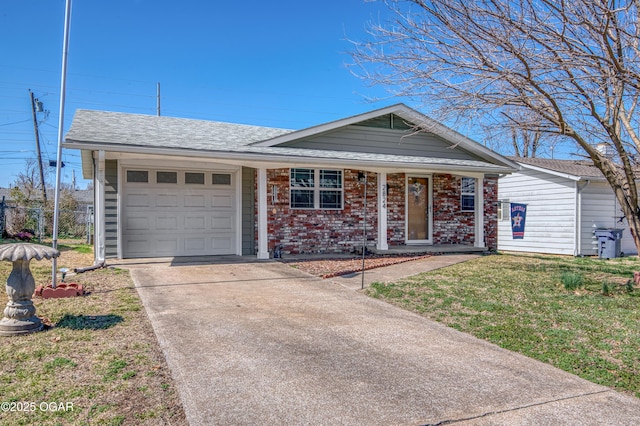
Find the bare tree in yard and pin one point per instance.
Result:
(26, 189)
(569, 68)
(27, 195)
(525, 142)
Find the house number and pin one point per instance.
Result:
(384, 196)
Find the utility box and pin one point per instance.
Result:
(609, 243)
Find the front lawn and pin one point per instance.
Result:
(98, 362)
(579, 314)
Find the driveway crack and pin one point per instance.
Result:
(492, 413)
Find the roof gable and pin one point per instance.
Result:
(381, 140)
(387, 121)
(411, 121)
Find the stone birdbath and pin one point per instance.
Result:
(20, 314)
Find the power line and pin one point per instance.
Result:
(15, 122)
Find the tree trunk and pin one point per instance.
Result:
(631, 215)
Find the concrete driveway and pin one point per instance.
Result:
(263, 343)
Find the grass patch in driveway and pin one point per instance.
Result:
(590, 327)
(99, 358)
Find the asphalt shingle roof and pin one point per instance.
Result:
(124, 131)
(158, 131)
(579, 168)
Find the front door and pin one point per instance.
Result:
(418, 210)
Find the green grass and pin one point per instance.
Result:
(571, 280)
(100, 355)
(79, 248)
(579, 314)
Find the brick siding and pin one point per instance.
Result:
(302, 231)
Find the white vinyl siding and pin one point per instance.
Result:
(552, 208)
(551, 204)
(600, 209)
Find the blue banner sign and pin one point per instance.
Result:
(518, 218)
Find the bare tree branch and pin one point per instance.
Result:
(572, 66)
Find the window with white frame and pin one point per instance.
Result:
(503, 210)
(468, 194)
(316, 189)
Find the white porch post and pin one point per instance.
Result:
(479, 212)
(263, 249)
(382, 212)
(98, 211)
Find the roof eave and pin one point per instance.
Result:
(282, 159)
(87, 164)
(560, 174)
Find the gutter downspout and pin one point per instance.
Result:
(580, 186)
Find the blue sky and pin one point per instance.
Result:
(278, 63)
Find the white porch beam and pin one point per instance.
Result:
(479, 212)
(263, 249)
(382, 212)
(99, 209)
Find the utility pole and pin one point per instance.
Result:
(63, 91)
(37, 133)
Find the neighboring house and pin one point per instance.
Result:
(178, 187)
(567, 200)
(5, 194)
(84, 197)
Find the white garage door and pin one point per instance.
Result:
(178, 213)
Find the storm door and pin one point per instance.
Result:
(418, 210)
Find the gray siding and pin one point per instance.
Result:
(248, 211)
(389, 121)
(384, 141)
(111, 208)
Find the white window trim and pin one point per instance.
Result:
(472, 194)
(317, 189)
(503, 210)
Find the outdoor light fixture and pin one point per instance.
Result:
(63, 271)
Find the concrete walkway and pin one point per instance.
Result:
(263, 343)
(401, 270)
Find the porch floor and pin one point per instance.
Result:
(428, 249)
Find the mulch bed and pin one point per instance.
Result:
(329, 268)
